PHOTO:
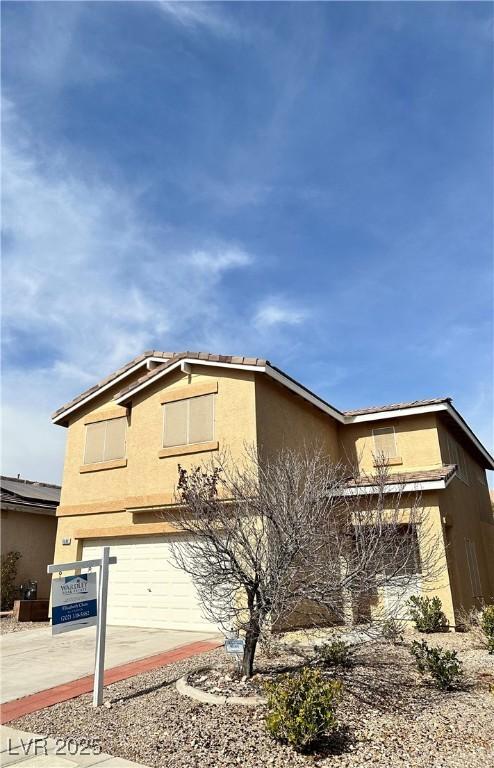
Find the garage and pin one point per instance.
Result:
(145, 588)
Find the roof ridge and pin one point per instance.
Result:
(168, 357)
(30, 482)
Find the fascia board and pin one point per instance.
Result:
(90, 397)
(179, 363)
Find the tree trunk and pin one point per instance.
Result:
(251, 638)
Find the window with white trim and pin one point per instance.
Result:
(473, 568)
(105, 440)
(457, 456)
(188, 421)
(385, 443)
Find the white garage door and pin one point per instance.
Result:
(145, 589)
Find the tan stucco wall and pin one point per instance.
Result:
(285, 420)
(93, 501)
(467, 508)
(253, 410)
(416, 442)
(460, 504)
(33, 536)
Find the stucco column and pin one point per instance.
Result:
(432, 546)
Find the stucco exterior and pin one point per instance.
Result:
(417, 443)
(33, 535)
(105, 502)
(128, 497)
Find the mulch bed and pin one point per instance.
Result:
(389, 717)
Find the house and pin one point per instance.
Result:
(29, 526)
(126, 435)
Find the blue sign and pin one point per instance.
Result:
(235, 645)
(74, 603)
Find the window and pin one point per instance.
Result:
(105, 440)
(402, 554)
(385, 443)
(473, 568)
(189, 421)
(457, 456)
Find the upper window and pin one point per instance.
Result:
(385, 443)
(105, 440)
(189, 421)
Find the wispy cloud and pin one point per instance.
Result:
(276, 311)
(218, 259)
(196, 15)
(55, 56)
(86, 273)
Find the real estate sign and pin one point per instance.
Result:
(74, 603)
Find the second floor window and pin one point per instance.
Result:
(189, 421)
(105, 440)
(385, 443)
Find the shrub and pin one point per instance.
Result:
(9, 575)
(335, 653)
(487, 624)
(443, 666)
(391, 630)
(427, 614)
(301, 708)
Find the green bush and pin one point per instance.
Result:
(427, 614)
(9, 575)
(443, 666)
(487, 624)
(391, 630)
(301, 708)
(335, 653)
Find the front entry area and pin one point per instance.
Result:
(145, 588)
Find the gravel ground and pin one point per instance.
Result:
(389, 718)
(8, 624)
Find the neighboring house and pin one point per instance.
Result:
(29, 526)
(127, 434)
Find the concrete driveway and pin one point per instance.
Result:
(35, 660)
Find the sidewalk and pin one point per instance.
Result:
(32, 751)
(16, 708)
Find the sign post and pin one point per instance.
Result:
(99, 663)
(74, 606)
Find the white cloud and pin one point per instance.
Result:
(88, 283)
(195, 15)
(277, 311)
(217, 260)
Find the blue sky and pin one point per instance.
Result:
(306, 182)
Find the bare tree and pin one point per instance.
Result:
(296, 541)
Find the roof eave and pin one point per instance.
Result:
(274, 373)
(417, 410)
(61, 418)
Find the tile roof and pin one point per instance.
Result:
(112, 377)
(421, 476)
(396, 406)
(207, 356)
(170, 357)
(29, 493)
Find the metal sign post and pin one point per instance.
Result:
(72, 614)
(99, 662)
